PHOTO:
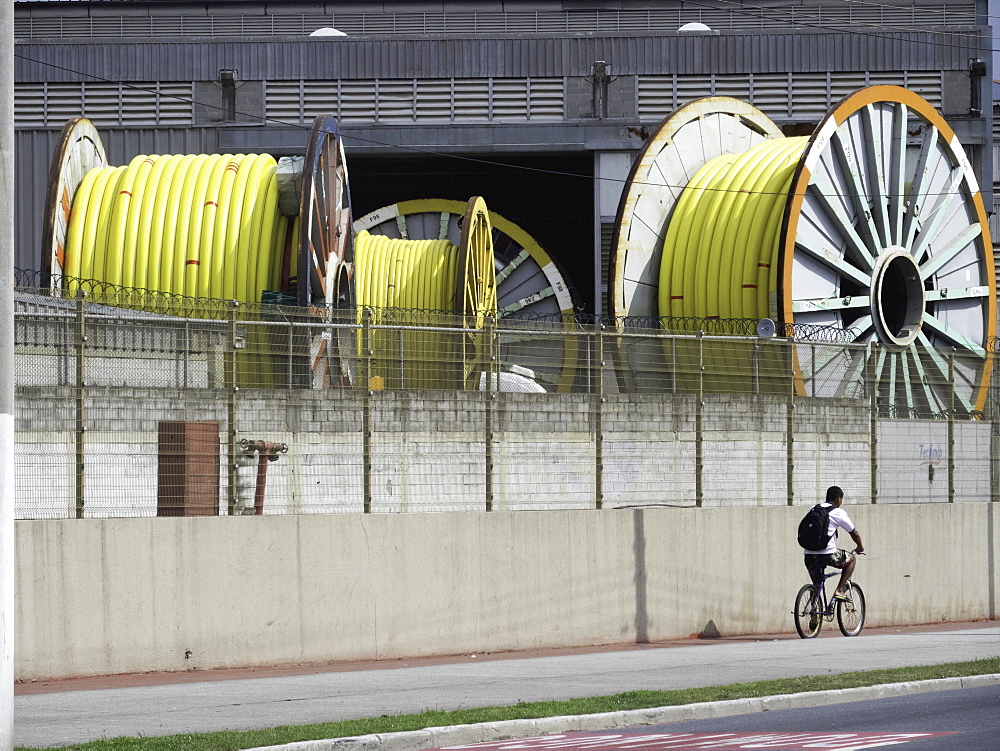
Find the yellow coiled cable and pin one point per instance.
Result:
(720, 252)
(409, 274)
(196, 226)
(720, 258)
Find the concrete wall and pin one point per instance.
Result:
(429, 450)
(102, 596)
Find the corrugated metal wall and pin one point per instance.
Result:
(449, 100)
(318, 59)
(36, 20)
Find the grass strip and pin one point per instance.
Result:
(234, 741)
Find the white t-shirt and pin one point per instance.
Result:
(838, 520)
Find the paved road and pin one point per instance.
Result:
(967, 719)
(65, 717)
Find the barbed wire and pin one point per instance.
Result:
(281, 306)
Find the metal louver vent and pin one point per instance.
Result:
(174, 105)
(771, 93)
(102, 103)
(138, 106)
(925, 83)
(29, 105)
(357, 101)
(472, 99)
(449, 100)
(395, 100)
(736, 86)
(510, 98)
(607, 234)
(62, 101)
(842, 84)
(434, 99)
(318, 98)
(656, 96)
(810, 95)
(802, 96)
(546, 99)
(283, 101)
(143, 103)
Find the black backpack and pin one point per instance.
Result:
(813, 528)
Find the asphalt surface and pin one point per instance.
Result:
(968, 716)
(56, 717)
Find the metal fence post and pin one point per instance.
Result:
(81, 401)
(492, 384)
(994, 428)
(599, 415)
(813, 378)
(951, 426)
(366, 406)
(873, 421)
(699, 409)
(790, 429)
(231, 389)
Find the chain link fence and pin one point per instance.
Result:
(134, 404)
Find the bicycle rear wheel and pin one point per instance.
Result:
(851, 615)
(808, 612)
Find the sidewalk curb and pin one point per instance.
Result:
(459, 735)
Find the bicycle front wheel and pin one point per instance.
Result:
(808, 612)
(851, 615)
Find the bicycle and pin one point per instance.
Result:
(812, 608)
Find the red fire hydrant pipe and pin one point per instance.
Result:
(267, 452)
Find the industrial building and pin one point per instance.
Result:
(524, 103)
(642, 446)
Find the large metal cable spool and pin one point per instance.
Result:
(873, 225)
(198, 225)
(531, 289)
(250, 229)
(454, 283)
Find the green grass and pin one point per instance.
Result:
(232, 741)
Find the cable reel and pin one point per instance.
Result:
(220, 227)
(454, 283)
(198, 225)
(531, 289)
(874, 225)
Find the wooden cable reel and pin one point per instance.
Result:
(219, 213)
(455, 284)
(531, 290)
(881, 234)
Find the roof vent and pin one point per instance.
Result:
(328, 31)
(696, 26)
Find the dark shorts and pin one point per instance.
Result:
(817, 564)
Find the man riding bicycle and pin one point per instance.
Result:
(817, 560)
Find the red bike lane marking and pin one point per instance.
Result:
(721, 741)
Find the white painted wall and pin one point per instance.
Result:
(100, 596)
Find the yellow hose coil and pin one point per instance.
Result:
(719, 260)
(720, 251)
(197, 225)
(409, 274)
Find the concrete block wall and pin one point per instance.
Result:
(99, 596)
(428, 450)
(913, 461)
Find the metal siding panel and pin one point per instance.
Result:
(31, 168)
(275, 59)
